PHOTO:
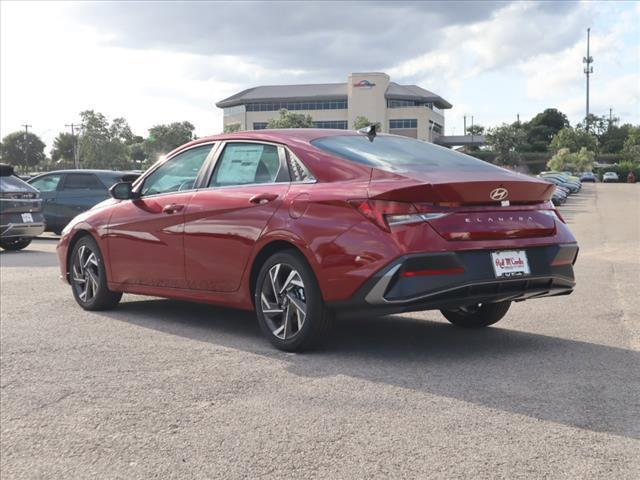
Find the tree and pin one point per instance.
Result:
(164, 138)
(631, 148)
(287, 119)
(542, 128)
(234, 127)
(64, 148)
(612, 140)
(15, 145)
(104, 145)
(505, 141)
(364, 122)
(475, 130)
(564, 159)
(573, 139)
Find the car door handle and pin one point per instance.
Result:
(262, 198)
(172, 208)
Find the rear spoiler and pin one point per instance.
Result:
(6, 170)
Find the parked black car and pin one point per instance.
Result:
(67, 193)
(20, 211)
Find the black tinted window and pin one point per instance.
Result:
(82, 181)
(398, 153)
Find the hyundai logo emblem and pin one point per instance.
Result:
(499, 194)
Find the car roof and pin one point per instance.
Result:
(276, 135)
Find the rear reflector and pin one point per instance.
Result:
(441, 271)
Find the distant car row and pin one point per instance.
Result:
(49, 201)
(566, 184)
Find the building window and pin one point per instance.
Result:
(315, 105)
(435, 127)
(259, 125)
(340, 124)
(402, 103)
(233, 110)
(403, 123)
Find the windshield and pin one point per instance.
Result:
(399, 154)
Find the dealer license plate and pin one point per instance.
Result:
(510, 263)
(27, 218)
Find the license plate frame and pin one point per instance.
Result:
(510, 263)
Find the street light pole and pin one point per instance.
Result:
(26, 144)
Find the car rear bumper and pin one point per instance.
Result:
(31, 229)
(457, 279)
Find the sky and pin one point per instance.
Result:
(161, 62)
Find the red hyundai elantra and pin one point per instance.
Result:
(307, 225)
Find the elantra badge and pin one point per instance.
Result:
(499, 194)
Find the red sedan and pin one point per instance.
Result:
(304, 226)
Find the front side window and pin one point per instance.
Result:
(178, 173)
(82, 181)
(48, 183)
(394, 153)
(247, 163)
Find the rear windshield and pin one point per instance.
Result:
(14, 184)
(394, 153)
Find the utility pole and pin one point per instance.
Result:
(472, 128)
(26, 144)
(588, 70)
(76, 163)
(464, 132)
(518, 118)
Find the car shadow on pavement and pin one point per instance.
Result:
(574, 383)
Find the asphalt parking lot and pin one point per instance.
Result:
(164, 389)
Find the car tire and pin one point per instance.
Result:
(88, 277)
(289, 305)
(477, 316)
(14, 244)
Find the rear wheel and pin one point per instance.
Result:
(89, 279)
(289, 304)
(15, 243)
(477, 316)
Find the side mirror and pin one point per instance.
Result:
(123, 191)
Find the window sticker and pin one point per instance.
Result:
(240, 164)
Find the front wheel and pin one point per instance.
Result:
(15, 243)
(477, 316)
(89, 278)
(289, 304)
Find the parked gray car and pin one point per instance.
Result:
(20, 211)
(67, 193)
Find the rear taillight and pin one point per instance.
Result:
(386, 214)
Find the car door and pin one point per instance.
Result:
(48, 186)
(145, 235)
(223, 221)
(79, 192)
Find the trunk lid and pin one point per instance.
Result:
(463, 187)
(479, 205)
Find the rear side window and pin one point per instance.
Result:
(247, 163)
(393, 153)
(48, 183)
(13, 184)
(82, 181)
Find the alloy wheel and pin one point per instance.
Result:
(283, 301)
(86, 274)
